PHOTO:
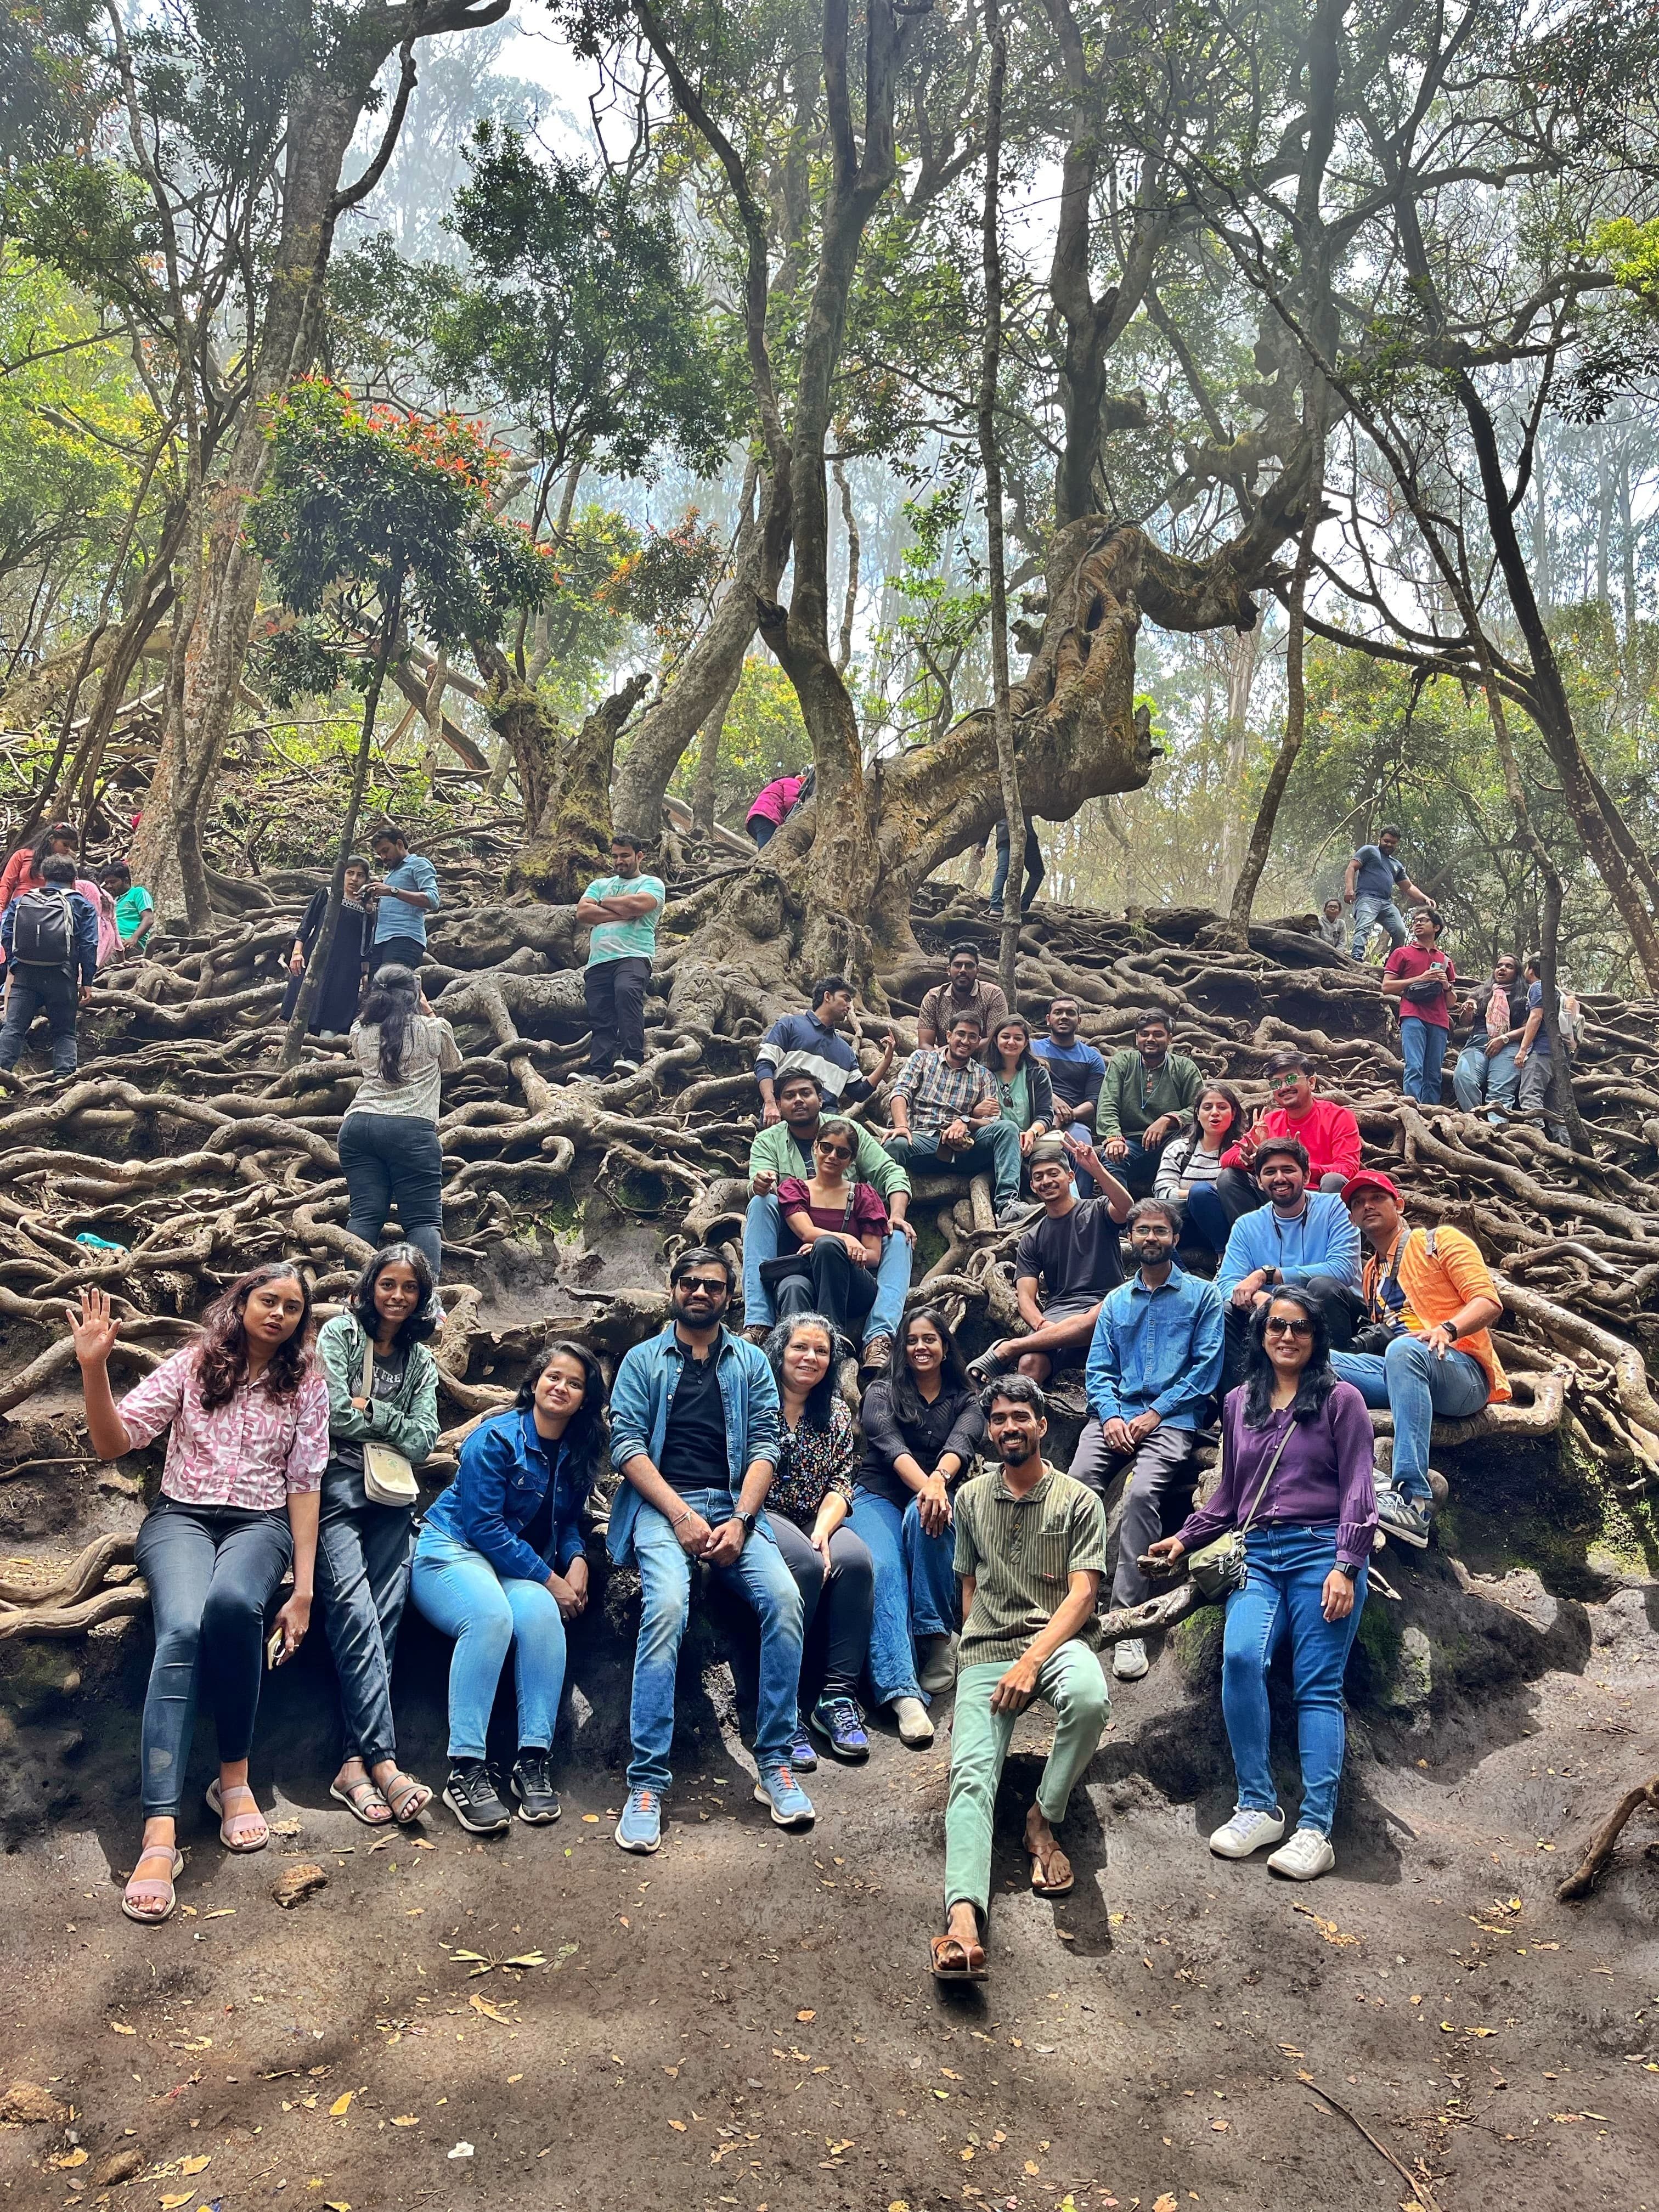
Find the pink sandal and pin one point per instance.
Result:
(152, 1890)
(238, 1832)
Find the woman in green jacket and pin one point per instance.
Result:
(364, 1549)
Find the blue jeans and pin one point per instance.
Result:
(463, 1596)
(1137, 1173)
(916, 1590)
(362, 1580)
(1281, 1597)
(766, 1584)
(1423, 1046)
(760, 1242)
(52, 991)
(1414, 1385)
(1367, 913)
(995, 1152)
(394, 1160)
(1036, 867)
(1479, 1081)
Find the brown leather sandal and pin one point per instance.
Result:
(1051, 1872)
(970, 1951)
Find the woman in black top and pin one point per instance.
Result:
(922, 1427)
(342, 979)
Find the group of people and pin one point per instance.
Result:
(57, 927)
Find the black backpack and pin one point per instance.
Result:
(43, 929)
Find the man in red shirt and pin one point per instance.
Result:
(1327, 1131)
(1418, 977)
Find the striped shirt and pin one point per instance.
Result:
(937, 1093)
(1021, 1553)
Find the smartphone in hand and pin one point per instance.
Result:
(274, 1653)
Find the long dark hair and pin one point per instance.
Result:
(586, 1436)
(1231, 1135)
(393, 997)
(821, 1398)
(53, 831)
(222, 1359)
(1318, 1378)
(360, 1300)
(908, 1404)
(993, 1059)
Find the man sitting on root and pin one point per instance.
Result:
(1300, 1236)
(1064, 1266)
(945, 1108)
(1026, 1535)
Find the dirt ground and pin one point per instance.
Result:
(746, 2019)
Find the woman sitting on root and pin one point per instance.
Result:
(382, 1390)
(247, 1415)
(922, 1427)
(1291, 1426)
(837, 1223)
(808, 1508)
(500, 1564)
(1022, 1082)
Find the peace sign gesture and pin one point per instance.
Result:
(94, 1329)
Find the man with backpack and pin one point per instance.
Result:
(50, 940)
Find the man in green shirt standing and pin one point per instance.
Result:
(623, 910)
(1148, 1094)
(135, 910)
(1030, 1551)
(785, 1149)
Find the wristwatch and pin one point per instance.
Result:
(1351, 1572)
(746, 1522)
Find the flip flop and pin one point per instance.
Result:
(244, 1840)
(153, 1889)
(407, 1798)
(1040, 1884)
(360, 1799)
(972, 1955)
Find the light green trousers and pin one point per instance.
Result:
(1073, 1683)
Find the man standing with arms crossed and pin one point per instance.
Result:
(623, 911)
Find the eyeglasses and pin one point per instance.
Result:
(1277, 1325)
(714, 1285)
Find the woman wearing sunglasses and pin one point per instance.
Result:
(1296, 1475)
(837, 1224)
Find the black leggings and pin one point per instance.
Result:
(838, 1287)
(838, 1607)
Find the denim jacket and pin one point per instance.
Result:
(506, 1467)
(646, 1379)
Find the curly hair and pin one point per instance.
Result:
(821, 1398)
(1317, 1379)
(360, 1299)
(221, 1364)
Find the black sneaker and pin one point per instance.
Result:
(471, 1797)
(538, 1801)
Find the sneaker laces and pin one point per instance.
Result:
(642, 1800)
(843, 1712)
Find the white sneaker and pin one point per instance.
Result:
(1245, 1832)
(1129, 1661)
(1305, 1857)
(914, 1725)
(938, 1670)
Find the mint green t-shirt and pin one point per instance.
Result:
(625, 940)
(129, 911)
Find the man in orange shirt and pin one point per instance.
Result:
(1431, 1292)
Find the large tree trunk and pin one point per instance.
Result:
(571, 844)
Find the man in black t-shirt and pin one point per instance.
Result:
(1064, 1264)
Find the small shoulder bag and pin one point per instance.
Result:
(1218, 1567)
(388, 1478)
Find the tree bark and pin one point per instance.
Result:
(571, 843)
(990, 461)
(705, 791)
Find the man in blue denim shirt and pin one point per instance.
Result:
(694, 1430)
(1154, 1365)
(1300, 1236)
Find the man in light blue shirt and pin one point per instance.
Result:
(1153, 1366)
(405, 892)
(1299, 1236)
(623, 911)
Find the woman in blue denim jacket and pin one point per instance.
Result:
(500, 1564)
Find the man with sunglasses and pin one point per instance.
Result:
(1432, 1293)
(694, 1432)
(1326, 1131)
(788, 1148)
(1300, 1236)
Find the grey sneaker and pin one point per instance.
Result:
(1016, 1212)
(938, 1670)
(1129, 1661)
(1406, 1523)
(1245, 1832)
(914, 1726)
(1305, 1857)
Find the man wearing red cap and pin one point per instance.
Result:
(1431, 1292)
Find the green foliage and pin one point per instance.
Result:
(763, 737)
(934, 653)
(577, 315)
(364, 509)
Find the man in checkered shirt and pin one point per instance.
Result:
(945, 1109)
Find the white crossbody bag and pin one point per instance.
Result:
(388, 1478)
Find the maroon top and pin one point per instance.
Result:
(867, 1219)
(1410, 961)
(1325, 1476)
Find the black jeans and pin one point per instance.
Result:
(394, 1160)
(34, 990)
(837, 1287)
(396, 951)
(1341, 1304)
(615, 992)
(837, 1607)
(212, 1572)
(364, 1554)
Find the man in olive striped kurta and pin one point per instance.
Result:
(1030, 1551)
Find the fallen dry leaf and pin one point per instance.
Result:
(76, 2158)
(194, 2165)
(1328, 1928)
(221, 1912)
(407, 2120)
(678, 2126)
(1165, 2203)
(482, 2005)
(172, 2203)
(806, 2015)
(120, 2027)
(341, 2106)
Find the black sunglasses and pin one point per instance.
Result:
(1276, 1325)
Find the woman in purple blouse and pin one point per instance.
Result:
(1307, 1547)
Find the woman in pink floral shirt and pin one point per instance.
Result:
(248, 1420)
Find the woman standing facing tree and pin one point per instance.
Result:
(388, 1137)
(247, 1415)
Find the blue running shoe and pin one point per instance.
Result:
(791, 1805)
(803, 1756)
(841, 1724)
(639, 1828)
